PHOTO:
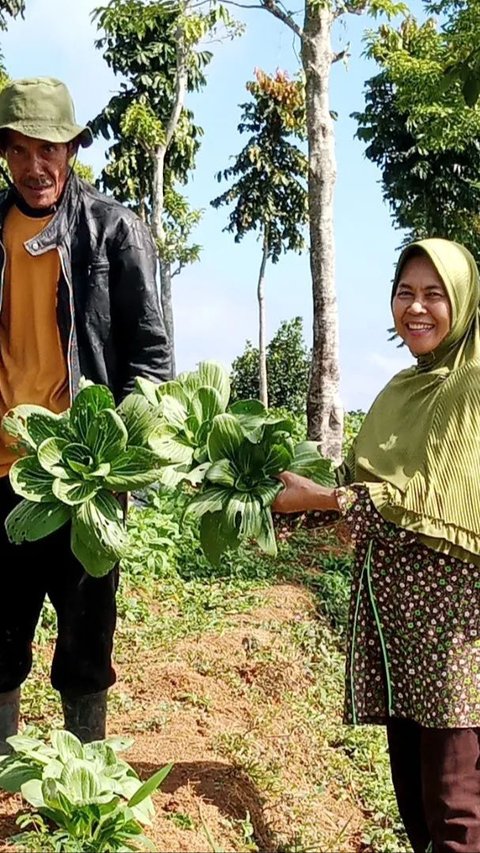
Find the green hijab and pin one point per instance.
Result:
(418, 451)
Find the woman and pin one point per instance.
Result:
(414, 641)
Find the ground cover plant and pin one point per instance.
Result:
(91, 798)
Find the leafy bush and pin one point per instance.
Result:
(351, 427)
(288, 368)
(94, 798)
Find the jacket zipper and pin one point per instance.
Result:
(70, 334)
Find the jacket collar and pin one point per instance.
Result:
(54, 232)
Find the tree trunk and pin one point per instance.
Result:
(262, 331)
(167, 308)
(325, 414)
(159, 182)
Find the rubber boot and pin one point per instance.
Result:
(9, 715)
(86, 716)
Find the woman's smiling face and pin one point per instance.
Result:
(421, 308)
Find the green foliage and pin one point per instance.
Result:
(233, 453)
(351, 427)
(269, 193)
(186, 407)
(93, 798)
(84, 171)
(141, 43)
(419, 130)
(71, 465)
(288, 367)
(10, 8)
(247, 448)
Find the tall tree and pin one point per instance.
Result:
(156, 47)
(421, 133)
(269, 193)
(325, 415)
(288, 365)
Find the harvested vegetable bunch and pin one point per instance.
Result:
(247, 447)
(72, 465)
(184, 410)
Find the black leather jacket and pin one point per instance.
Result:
(108, 310)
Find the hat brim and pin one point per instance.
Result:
(52, 134)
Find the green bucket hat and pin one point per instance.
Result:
(41, 107)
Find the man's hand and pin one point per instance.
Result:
(301, 494)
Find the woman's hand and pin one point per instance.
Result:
(301, 494)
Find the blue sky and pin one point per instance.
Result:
(215, 300)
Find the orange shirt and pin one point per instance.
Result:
(33, 368)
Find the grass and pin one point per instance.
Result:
(169, 592)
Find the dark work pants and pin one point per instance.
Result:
(436, 776)
(85, 608)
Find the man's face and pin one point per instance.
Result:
(39, 168)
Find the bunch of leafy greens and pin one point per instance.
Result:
(184, 430)
(73, 466)
(247, 448)
(92, 796)
(185, 409)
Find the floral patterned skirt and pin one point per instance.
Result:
(414, 627)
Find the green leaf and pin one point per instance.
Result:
(31, 481)
(471, 88)
(79, 460)
(136, 413)
(101, 520)
(206, 403)
(266, 535)
(243, 509)
(119, 743)
(278, 458)
(221, 472)
(171, 475)
(197, 474)
(50, 456)
(211, 500)
(29, 521)
(173, 411)
(135, 468)
(74, 492)
(94, 559)
(172, 389)
(107, 436)
(15, 422)
(150, 786)
(169, 447)
(189, 383)
(43, 425)
(215, 376)
(15, 771)
(32, 792)
(86, 406)
(217, 535)
(248, 408)
(148, 389)
(226, 437)
(66, 745)
(308, 462)
(81, 784)
(268, 491)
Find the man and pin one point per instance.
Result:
(78, 297)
